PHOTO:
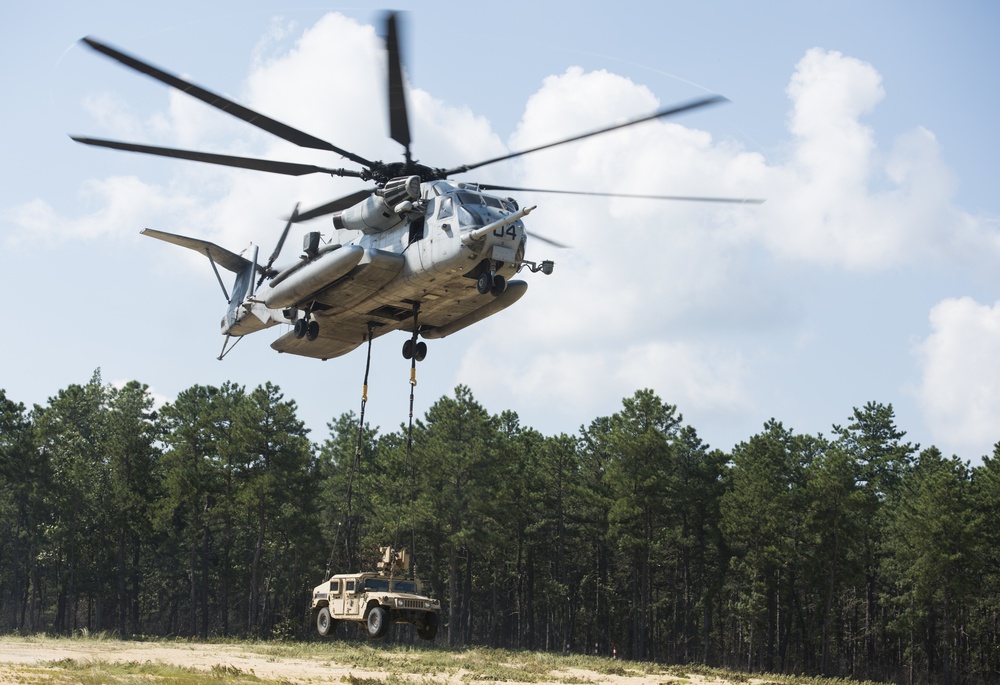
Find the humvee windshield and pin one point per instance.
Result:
(382, 585)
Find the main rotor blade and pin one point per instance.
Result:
(331, 207)
(548, 241)
(399, 124)
(684, 198)
(277, 128)
(271, 166)
(669, 111)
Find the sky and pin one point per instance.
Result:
(870, 274)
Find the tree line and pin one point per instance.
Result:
(855, 554)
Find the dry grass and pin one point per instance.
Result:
(101, 660)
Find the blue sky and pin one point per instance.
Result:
(870, 274)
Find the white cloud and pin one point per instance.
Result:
(586, 380)
(960, 360)
(121, 206)
(652, 277)
(112, 113)
(831, 92)
(838, 200)
(34, 220)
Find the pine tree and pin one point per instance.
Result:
(346, 462)
(455, 459)
(197, 478)
(874, 443)
(23, 480)
(127, 440)
(278, 493)
(77, 563)
(762, 519)
(932, 559)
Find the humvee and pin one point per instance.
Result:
(376, 599)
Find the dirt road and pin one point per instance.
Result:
(271, 662)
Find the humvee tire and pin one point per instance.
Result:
(378, 622)
(428, 628)
(325, 625)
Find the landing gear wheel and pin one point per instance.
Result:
(429, 628)
(499, 285)
(312, 331)
(325, 625)
(484, 283)
(299, 331)
(378, 622)
(411, 351)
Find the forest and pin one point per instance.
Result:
(852, 554)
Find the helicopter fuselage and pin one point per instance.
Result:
(435, 257)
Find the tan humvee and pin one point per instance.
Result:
(376, 599)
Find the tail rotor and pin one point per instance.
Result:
(267, 271)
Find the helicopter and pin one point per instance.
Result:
(416, 250)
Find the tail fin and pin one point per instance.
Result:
(245, 269)
(242, 288)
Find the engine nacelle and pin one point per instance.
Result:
(297, 284)
(377, 212)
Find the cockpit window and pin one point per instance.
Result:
(467, 218)
(442, 187)
(447, 207)
(470, 198)
(431, 206)
(493, 202)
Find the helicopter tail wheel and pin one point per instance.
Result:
(312, 331)
(484, 283)
(408, 349)
(499, 285)
(300, 328)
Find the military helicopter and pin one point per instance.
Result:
(418, 251)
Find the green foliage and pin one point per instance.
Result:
(214, 515)
(933, 557)
(23, 479)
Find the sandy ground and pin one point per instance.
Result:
(200, 656)
(316, 669)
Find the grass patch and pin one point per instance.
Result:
(391, 679)
(366, 664)
(352, 679)
(100, 672)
